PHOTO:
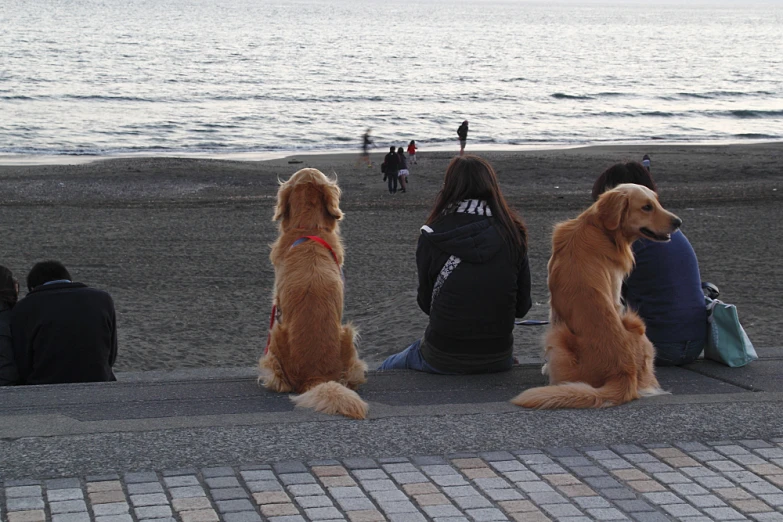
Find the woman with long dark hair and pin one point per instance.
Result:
(9, 293)
(665, 285)
(474, 277)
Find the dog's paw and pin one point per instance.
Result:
(545, 369)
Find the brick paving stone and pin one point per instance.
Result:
(178, 471)
(54, 495)
(142, 476)
(630, 474)
(431, 499)
(153, 499)
(667, 452)
(671, 478)
(379, 485)
(356, 504)
(115, 518)
(152, 512)
(289, 466)
(765, 469)
(562, 479)
(439, 469)
(681, 510)
(602, 482)
(663, 498)
(733, 493)
(314, 501)
(615, 464)
(724, 513)
(474, 473)
(772, 500)
(547, 498)
(264, 485)
(508, 465)
(241, 516)
(491, 483)
(533, 516)
(575, 461)
(504, 494)
(751, 506)
(406, 517)
(472, 502)
(409, 478)
(633, 506)
(290, 518)
(359, 463)
(697, 471)
(23, 491)
(601, 454)
(388, 496)
(272, 497)
(486, 514)
(322, 513)
(654, 467)
(105, 485)
(181, 480)
(768, 517)
(201, 515)
(398, 506)
(277, 510)
(33, 515)
(460, 491)
(761, 488)
(187, 492)
(705, 501)
(228, 493)
(422, 488)
(366, 515)
(13, 483)
(521, 476)
(688, 489)
(106, 497)
(469, 463)
(650, 517)
(190, 504)
(534, 457)
(625, 449)
(646, 486)
(577, 490)
(588, 471)
(714, 482)
(518, 506)
(561, 510)
(546, 469)
(303, 490)
(347, 492)
(618, 494)
(115, 508)
(437, 511)
(592, 502)
(332, 471)
(24, 503)
(230, 482)
(534, 487)
(81, 516)
(563, 452)
(691, 446)
(257, 475)
(403, 467)
(606, 514)
(63, 483)
(775, 479)
(223, 471)
(338, 481)
(227, 506)
(681, 462)
(142, 488)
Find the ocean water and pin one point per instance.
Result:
(232, 77)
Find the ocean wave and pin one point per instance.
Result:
(755, 136)
(564, 96)
(721, 94)
(751, 113)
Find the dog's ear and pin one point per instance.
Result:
(612, 207)
(331, 194)
(283, 195)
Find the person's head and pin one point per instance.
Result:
(400, 151)
(465, 123)
(391, 149)
(619, 173)
(413, 142)
(46, 271)
(646, 157)
(9, 289)
(471, 177)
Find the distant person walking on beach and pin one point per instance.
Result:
(403, 173)
(391, 168)
(474, 277)
(646, 162)
(462, 132)
(366, 143)
(412, 152)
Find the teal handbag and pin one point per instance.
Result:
(727, 342)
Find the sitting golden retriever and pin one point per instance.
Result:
(310, 351)
(597, 352)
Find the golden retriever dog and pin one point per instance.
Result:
(310, 351)
(597, 352)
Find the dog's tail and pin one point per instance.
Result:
(333, 398)
(578, 395)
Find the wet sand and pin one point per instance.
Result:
(182, 244)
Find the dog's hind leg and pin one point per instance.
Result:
(355, 368)
(270, 372)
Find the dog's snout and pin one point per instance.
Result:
(676, 222)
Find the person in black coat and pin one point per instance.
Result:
(63, 331)
(462, 134)
(391, 168)
(474, 277)
(9, 292)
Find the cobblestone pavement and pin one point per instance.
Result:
(723, 480)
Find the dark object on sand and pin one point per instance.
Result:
(294, 162)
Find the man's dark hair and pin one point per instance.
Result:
(631, 172)
(8, 295)
(46, 271)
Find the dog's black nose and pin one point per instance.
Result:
(676, 222)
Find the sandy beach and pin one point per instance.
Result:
(182, 244)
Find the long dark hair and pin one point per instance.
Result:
(471, 177)
(8, 293)
(619, 173)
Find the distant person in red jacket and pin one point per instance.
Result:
(412, 153)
